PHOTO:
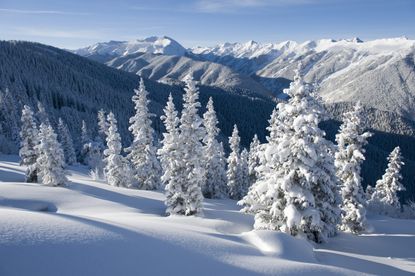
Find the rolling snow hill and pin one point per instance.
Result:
(91, 228)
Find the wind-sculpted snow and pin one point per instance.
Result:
(98, 229)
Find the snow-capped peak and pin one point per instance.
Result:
(155, 45)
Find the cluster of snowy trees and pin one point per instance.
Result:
(298, 182)
(306, 185)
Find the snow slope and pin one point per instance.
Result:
(90, 228)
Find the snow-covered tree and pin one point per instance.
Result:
(171, 161)
(384, 198)
(234, 175)
(348, 160)
(50, 161)
(191, 134)
(142, 152)
(102, 126)
(85, 136)
(28, 142)
(253, 159)
(296, 189)
(244, 170)
(215, 185)
(117, 169)
(191, 165)
(42, 115)
(85, 144)
(66, 142)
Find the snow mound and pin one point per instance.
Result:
(281, 245)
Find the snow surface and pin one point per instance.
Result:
(91, 228)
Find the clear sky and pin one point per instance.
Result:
(77, 23)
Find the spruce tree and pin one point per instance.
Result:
(348, 160)
(117, 169)
(215, 163)
(191, 134)
(28, 142)
(42, 115)
(142, 152)
(67, 143)
(171, 161)
(384, 198)
(253, 159)
(296, 190)
(102, 126)
(50, 161)
(234, 174)
(244, 169)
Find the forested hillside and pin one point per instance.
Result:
(75, 88)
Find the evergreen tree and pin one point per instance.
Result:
(85, 144)
(171, 161)
(102, 126)
(384, 198)
(234, 174)
(296, 189)
(215, 163)
(191, 134)
(253, 159)
(50, 161)
(348, 160)
(117, 169)
(85, 136)
(142, 152)
(66, 142)
(42, 115)
(244, 169)
(28, 143)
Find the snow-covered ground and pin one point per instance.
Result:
(90, 228)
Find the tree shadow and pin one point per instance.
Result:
(27, 204)
(8, 174)
(142, 204)
(127, 253)
(356, 264)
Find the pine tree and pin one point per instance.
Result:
(171, 161)
(348, 160)
(191, 134)
(102, 126)
(117, 169)
(384, 199)
(215, 163)
(28, 143)
(244, 169)
(142, 152)
(85, 136)
(85, 144)
(50, 161)
(296, 189)
(253, 159)
(234, 175)
(67, 143)
(42, 115)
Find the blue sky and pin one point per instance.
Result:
(76, 23)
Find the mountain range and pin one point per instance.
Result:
(74, 87)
